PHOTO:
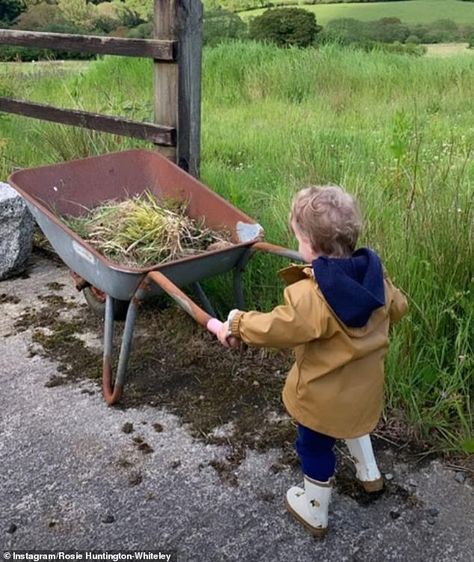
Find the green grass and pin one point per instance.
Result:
(412, 11)
(275, 120)
(40, 70)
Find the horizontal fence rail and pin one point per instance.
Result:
(152, 48)
(158, 134)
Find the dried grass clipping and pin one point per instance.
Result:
(143, 231)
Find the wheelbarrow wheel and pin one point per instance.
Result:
(96, 301)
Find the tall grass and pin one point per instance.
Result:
(396, 131)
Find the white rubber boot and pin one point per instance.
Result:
(367, 471)
(310, 506)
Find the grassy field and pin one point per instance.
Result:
(15, 71)
(448, 49)
(412, 11)
(275, 120)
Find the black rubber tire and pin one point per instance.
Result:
(98, 306)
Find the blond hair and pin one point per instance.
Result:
(329, 218)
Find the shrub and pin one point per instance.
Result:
(413, 40)
(345, 31)
(402, 49)
(221, 24)
(442, 31)
(142, 31)
(78, 12)
(9, 10)
(39, 16)
(127, 16)
(387, 30)
(465, 32)
(10, 53)
(285, 27)
(348, 31)
(106, 18)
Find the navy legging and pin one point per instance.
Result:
(316, 453)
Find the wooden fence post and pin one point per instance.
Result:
(177, 87)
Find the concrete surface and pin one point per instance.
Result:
(67, 469)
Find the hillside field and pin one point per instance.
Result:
(412, 11)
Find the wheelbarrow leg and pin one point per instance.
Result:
(113, 391)
(201, 295)
(238, 286)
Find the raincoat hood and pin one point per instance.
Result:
(353, 287)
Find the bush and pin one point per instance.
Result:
(9, 10)
(413, 40)
(106, 18)
(10, 53)
(285, 27)
(221, 24)
(387, 30)
(465, 32)
(345, 31)
(142, 31)
(401, 49)
(348, 31)
(127, 16)
(38, 16)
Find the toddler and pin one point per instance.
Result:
(336, 316)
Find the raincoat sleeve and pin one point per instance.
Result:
(398, 302)
(297, 321)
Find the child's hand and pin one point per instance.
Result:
(225, 339)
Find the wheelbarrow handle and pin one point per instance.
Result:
(277, 250)
(203, 318)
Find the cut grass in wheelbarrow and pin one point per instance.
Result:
(139, 232)
(143, 231)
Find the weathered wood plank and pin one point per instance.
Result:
(190, 14)
(165, 78)
(164, 50)
(158, 134)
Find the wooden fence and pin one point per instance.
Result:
(176, 50)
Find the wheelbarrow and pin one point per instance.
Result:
(70, 188)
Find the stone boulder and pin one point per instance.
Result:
(16, 232)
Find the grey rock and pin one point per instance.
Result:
(460, 477)
(16, 232)
(12, 528)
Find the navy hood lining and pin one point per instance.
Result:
(353, 287)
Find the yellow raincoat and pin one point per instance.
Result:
(336, 384)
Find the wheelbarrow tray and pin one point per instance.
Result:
(72, 188)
